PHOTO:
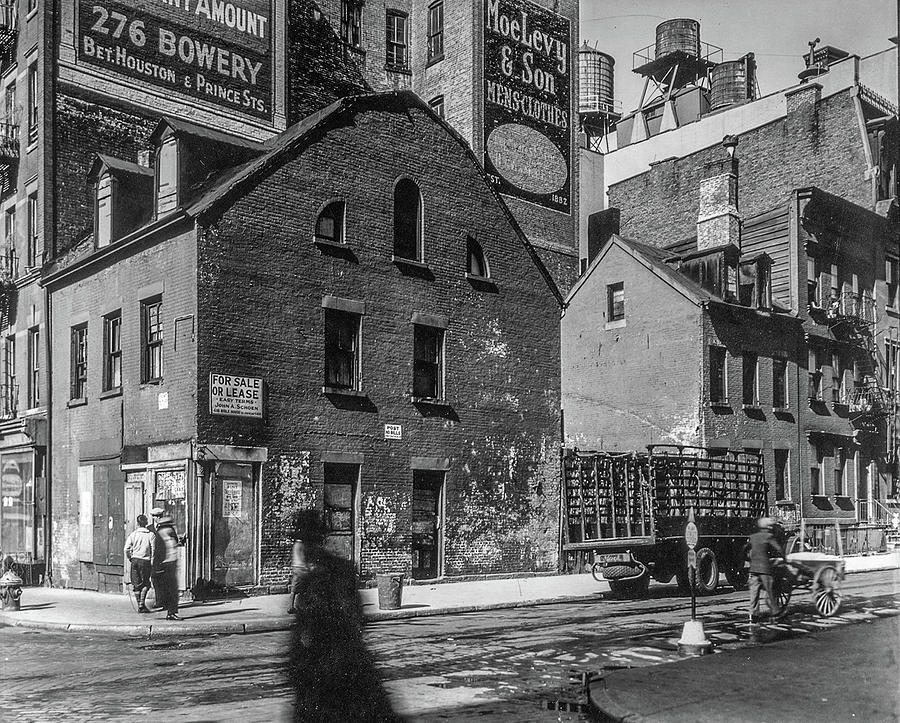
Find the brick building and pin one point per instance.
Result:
(479, 66)
(810, 377)
(89, 79)
(302, 330)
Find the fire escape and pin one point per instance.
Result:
(9, 164)
(852, 318)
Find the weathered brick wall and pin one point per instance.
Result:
(136, 417)
(84, 129)
(815, 145)
(261, 284)
(738, 330)
(627, 386)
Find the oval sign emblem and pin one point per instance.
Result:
(526, 158)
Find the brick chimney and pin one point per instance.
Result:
(718, 220)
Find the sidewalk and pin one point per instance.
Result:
(90, 612)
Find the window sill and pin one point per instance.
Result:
(723, 404)
(412, 267)
(399, 70)
(483, 282)
(892, 310)
(80, 402)
(431, 401)
(109, 393)
(751, 407)
(32, 146)
(433, 61)
(784, 503)
(151, 383)
(335, 248)
(344, 392)
(781, 410)
(615, 324)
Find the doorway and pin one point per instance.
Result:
(341, 484)
(427, 523)
(234, 522)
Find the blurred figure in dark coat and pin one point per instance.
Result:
(333, 675)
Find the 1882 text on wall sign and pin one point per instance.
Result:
(235, 396)
(217, 51)
(527, 102)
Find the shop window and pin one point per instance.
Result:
(396, 52)
(718, 389)
(151, 340)
(341, 481)
(330, 224)
(112, 351)
(17, 511)
(407, 221)
(342, 330)
(615, 301)
(750, 375)
(351, 22)
(10, 387)
(782, 474)
(779, 383)
(437, 105)
(33, 100)
(31, 252)
(34, 368)
(78, 386)
(428, 362)
(435, 31)
(476, 263)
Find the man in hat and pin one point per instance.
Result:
(763, 547)
(140, 549)
(165, 564)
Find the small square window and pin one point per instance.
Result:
(330, 224)
(615, 301)
(437, 105)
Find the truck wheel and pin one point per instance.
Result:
(738, 576)
(707, 571)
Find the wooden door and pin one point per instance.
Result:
(426, 523)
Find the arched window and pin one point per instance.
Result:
(476, 264)
(330, 225)
(407, 220)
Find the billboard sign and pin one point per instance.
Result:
(215, 51)
(527, 102)
(235, 396)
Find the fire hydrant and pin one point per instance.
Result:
(10, 591)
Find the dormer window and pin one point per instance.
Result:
(167, 176)
(123, 196)
(755, 288)
(103, 221)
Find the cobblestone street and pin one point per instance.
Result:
(525, 664)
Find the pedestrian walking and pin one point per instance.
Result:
(140, 550)
(763, 547)
(332, 673)
(165, 566)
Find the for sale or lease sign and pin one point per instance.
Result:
(235, 396)
(216, 51)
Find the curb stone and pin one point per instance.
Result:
(606, 709)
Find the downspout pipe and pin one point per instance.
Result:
(48, 454)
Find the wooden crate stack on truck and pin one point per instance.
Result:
(625, 514)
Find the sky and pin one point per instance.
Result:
(776, 31)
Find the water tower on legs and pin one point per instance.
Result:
(598, 111)
(676, 71)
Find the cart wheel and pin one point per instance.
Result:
(827, 591)
(782, 587)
